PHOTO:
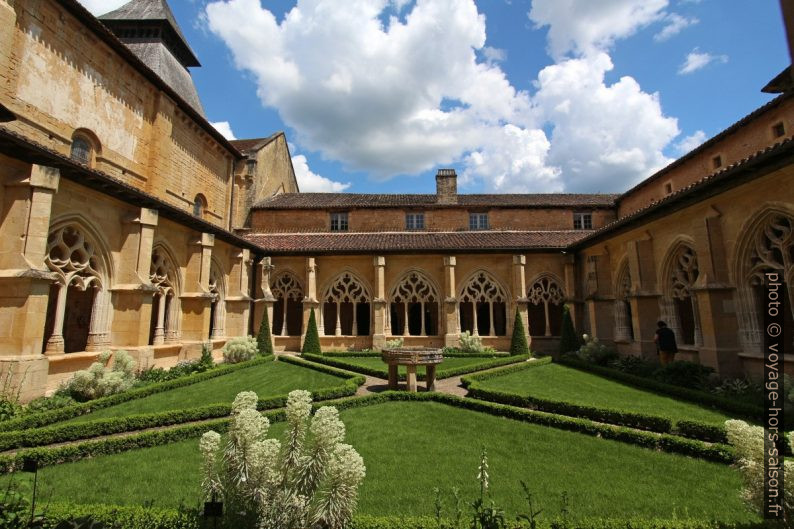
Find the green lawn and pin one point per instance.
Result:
(374, 362)
(267, 380)
(560, 383)
(411, 447)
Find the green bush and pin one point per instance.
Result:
(596, 352)
(97, 381)
(684, 374)
(569, 339)
(239, 350)
(518, 343)
(206, 361)
(49, 403)
(264, 339)
(311, 344)
(634, 365)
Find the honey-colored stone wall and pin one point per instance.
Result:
(749, 139)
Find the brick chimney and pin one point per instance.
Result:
(446, 186)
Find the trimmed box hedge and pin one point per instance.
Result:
(655, 423)
(447, 354)
(126, 517)
(69, 412)
(87, 430)
(440, 373)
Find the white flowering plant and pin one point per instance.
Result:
(310, 479)
(471, 343)
(396, 343)
(240, 349)
(99, 380)
(748, 441)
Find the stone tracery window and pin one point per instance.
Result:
(75, 259)
(679, 306)
(769, 247)
(346, 307)
(414, 306)
(546, 297)
(288, 308)
(624, 329)
(165, 309)
(483, 306)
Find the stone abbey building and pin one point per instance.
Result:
(128, 222)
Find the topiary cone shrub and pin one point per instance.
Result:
(264, 340)
(311, 344)
(569, 339)
(518, 343)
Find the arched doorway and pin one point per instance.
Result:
(624, 329)
(217, 288)
(346, 307)
(166, 310)
(483, 306)
(679, 307)
(414, 309)
(288, 307)
(546, 298)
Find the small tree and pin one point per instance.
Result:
(311, 344)
(569, 339)
(518, 344)
(264, 340)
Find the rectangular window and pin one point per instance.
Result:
(583, 221)
(414, 221)
(779, 130)
(668, 188)
(717, 161)
(478, 221)
(339, 221)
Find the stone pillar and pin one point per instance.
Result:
(520, 291)
(645, 298)
(410, 378)
(195, 302)
(715, 297)
(310, 300)
(379, 304)
(452, 319)
(569, 270)
(236, 303)
(267, 300)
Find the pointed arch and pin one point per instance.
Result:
(546, 297)
(483, 305)
(346, 306)
(288, 307)
(165, 277)
(414, 305)
(766, 243)
(678, 304)
(217, 288)
(81, 260)
(624, 328)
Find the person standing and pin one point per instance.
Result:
(666, 347)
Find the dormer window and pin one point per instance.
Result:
(583, 221)
(478, 221)
(339, 221)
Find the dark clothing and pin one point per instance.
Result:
(665, 340)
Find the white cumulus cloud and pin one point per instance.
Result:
(690, 142)
(225, 129)
(674, 24)
(310, 182)
(697, 60)
(100, 7)
(605, 137)
(585, 26)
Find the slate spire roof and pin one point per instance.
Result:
(150, 30)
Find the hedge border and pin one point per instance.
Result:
(645, 421)
(743, 410)
(39, 437)
(136, 517)
(669, 443)
(373, 354)
(69, 412)
(440, 374)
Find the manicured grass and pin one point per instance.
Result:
(376, 363)
(267, 380)
(560, 383)
(411, 447)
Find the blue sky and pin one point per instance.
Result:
(516, 95)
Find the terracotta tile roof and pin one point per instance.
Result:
(394, 242)
(254, 144)
(357, 200)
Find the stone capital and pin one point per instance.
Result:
(450, 260)
(520, 260)
(45, 177)
(379, 260)
(207, 240)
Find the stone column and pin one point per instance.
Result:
(451, 307)
(410, 378)
(379, 304)
(570, 290)
(599, 297)
(267, 300)
(98, 335)
(645, 300)
(55, 343)
(310, 300)
(520, 294)
(192, 308)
